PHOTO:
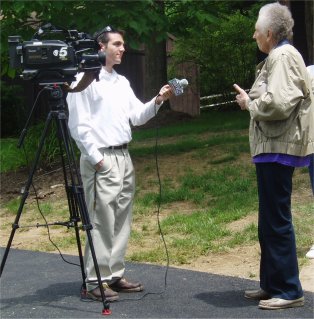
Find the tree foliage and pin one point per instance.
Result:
(211, 34)
(203, 27)
(139, 18)
(187, 15)
(224, 51)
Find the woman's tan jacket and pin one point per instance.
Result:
(282, 105)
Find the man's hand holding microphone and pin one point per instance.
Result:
(174, 87)
(164, 94)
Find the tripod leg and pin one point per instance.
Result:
(65, 141)
(78, 202)
(75, 194)
(15, 225)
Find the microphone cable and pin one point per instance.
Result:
(158, 220)
(159, 202)
(46, 224)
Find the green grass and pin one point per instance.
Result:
(188, 133)
(11, 158)
(12, 205)
(207, 183)
(213, 121)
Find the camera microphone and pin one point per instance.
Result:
(178, 86)
(90, 74)
(92, 60)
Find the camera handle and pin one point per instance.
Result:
(73, 186)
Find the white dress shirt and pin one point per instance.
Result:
(100, 115)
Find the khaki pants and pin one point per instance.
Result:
(109, 196)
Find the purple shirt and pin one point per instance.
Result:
(284, 159)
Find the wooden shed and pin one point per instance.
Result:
(133, 67)
(189, 102)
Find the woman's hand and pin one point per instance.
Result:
(242, 98)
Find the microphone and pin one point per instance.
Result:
(177, 86)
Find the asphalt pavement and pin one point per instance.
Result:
(42, 285)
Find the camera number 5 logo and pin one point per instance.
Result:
(62, 53)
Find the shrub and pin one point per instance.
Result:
(225, 53)
(12, 109)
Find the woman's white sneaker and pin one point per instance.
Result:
(310, 253)
(277, 303)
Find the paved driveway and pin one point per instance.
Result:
(41, 285)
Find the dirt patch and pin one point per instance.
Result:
(240, 262)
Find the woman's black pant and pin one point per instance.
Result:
(279, 272)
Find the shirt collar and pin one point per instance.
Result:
(279, 44)
(105, 75)
(282, 42)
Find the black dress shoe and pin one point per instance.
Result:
(95, 294)
(258, 294)
(122, 285)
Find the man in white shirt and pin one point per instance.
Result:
(99, 122)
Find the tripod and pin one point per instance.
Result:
(73, 185)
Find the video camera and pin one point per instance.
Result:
(55, 61)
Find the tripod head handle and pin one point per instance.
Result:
(86, 80)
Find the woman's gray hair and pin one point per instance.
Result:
(278, 19)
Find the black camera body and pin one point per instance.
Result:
(55, 61)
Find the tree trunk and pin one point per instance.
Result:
(303, 31)
(155, 62)
(309, 23)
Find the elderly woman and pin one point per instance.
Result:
(281, 136)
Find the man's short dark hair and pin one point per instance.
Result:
(102, 36)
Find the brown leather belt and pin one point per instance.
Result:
(118, 147)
